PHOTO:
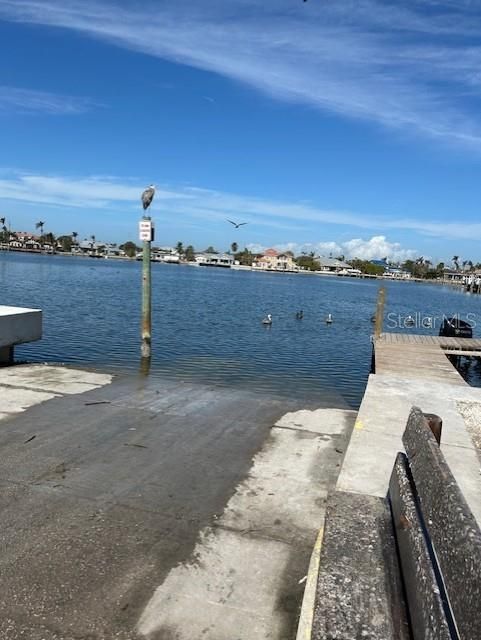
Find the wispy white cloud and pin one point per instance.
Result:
(31, 101)
(413, 66)
(177, 203)
(93, 192)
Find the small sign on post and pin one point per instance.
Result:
(146, 230)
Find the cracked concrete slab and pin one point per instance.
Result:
(13, 400)
(63, 380)
(25, 386)
(325, 421)
(229, 590)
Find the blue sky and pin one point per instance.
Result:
(348, 127)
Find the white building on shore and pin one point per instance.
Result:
(214, 259)
(165, 254)
(332, 265)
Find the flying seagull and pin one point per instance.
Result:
(236, 224)
(148, 196)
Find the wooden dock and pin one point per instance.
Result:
(421, 356)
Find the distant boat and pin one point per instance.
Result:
(329, 319)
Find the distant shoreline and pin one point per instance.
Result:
(364, 276)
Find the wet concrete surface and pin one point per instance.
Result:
(103, 493)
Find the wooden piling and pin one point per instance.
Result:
(381, 299)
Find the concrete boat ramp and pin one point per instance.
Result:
(134, 507)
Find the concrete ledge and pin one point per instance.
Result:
(359, 591)
(452, 527)
(18, 325)
(426, 611)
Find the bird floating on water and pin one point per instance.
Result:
(147, 196)
(236, 224)
(329, 319)
(299, 314)
(267, 319)
(409, 321)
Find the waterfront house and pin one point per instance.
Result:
(214, 259)
(25, 236)
(165, 254)
(31, 245)
(333, 265)
(452, 275)
(396, 273)
(91, 248)
(113, 251)
(273, 260)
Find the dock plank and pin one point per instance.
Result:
(422, 356)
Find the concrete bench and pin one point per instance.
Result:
(17, 325)
(408, 566)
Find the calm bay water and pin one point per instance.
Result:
(207, 321)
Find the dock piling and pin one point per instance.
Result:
(381, 299)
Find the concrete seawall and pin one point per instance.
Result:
(17, 325)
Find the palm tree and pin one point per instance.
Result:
(455, 262)
(39, 225)
(419, 267)
(234, 247)
(74, 236)
(4, 235)
(50, 238)
(179, 247)
(470, 265)
(189, 254)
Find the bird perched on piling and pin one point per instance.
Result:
(148, 196)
